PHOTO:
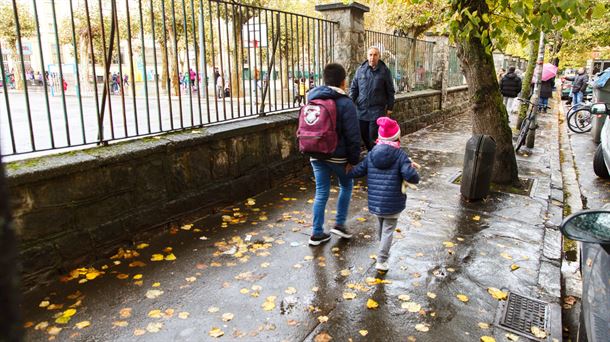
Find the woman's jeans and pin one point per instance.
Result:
(322, 171)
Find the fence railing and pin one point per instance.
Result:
(455, 77)
(80, 72)
(410, 60)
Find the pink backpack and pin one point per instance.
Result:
(317, 132)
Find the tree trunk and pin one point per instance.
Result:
(19, 82)
(10, 292)
(174, 62)
(83, 51)
(489, 114)
(527, 80)
(164, 73)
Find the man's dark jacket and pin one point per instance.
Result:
(510, 85)
(372, 91)
(580, 83)
(348, 128)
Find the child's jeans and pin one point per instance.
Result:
(322, 171)
(387, 225)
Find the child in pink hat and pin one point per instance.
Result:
(386, 167)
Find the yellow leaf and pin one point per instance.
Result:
(323, 319)
(448, 244)
(139, 332)
(450, 269)
(513, 337)
(187, 227)
(69, 313)
(92, 275)
(137, 276)
(483, 325)
(268, 305)
(154, 327)
(44, 304)
(371, 304)
(152, 294)
(156, 284)
(83, 324)
(487, 339)
(170, 257)
(315, 289)
(538, 332)
(121, 324)
(41, 326)
(476, 218)
(155, 314)
(514, 267)
(156, 257)
(54, 331)
(168, 249)
(227, 316)
(183, 315)
(361, 219)
(404, 297)
(363, 332)
(137, 264)
(169, 313)
(290, 290)
(125, 313)
(213, 309)
(244, 291)
(349, 295)
(190, 279)
(462, 298)
(411, 307)
(63, 320)
(345, 272)
(422, 327)
(431, 295)
(497, 293)
(142, 246)
(506, 256)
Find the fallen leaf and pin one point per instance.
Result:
(487, 339)
(41, 325)
(187, 227)
(476, 218)
(190, 279)
(216, 332)
(156, 284)
(44, 304)
(137, 276)
(125, 313)
(422, 327)
(54, 331)
(539, 333)
(514, 267)
(363, 332)
(122, 276)
(448, 244)
(170, 257)
(361, 219)
(268, 306)
(497, 293)
(483, 325)
(137, 264)
(292, 322)
(411, 306)
(154, 327)
(121, 324)
(431, 295)
(323, 319)
(322, 337)
(349, 295)
(512, 337)
(290, 290)
(213, 309)
(371, 304)
(139, 332)
(404, 297)
(142, 246)
(315, 289)
(345, 272)
(506, 256)
(152, 294)
(156, 257)
(462, 298)
(227, 316)
(183, 315)
(155, 314)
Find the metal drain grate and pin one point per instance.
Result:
(519, 314)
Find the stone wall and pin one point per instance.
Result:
(73, 208)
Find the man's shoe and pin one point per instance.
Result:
(341, 231)
(316, 240)
(382, 266)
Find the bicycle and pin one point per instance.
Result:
(579, 118)
(527, 122)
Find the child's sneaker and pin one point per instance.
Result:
(316, 240)
(341, 231)
(382, 266)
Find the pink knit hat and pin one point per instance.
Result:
(388, 129)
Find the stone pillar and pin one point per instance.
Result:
(349, 37)
(440, 77)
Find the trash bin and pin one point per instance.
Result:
(478, 165)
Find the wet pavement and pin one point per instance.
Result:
(247, 273)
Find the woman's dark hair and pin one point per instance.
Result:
(333, 74)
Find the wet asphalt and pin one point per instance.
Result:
(247, 273)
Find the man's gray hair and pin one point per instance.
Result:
(374, 47)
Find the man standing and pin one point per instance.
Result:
(581, 81)
(510, 87)
(372, 91)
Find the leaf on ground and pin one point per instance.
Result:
(487, 339)
(120, 324)
(462, 298)
(216, 332)
(63, 320)
(213, 309)
(514, 267)
(497, 293)
(322, 337)
(155, 314)
(137, 276)
(345, 272)
(170, 257)
(136, 264)
(157, 284)
(265, 264)
(506, 256)
(291, 290)
(539, 333)
(448, 244)
(156, 257)
(422, 327)
(41, 326)
(512, 337)
(268, 305)
(125, 313)
(363, 332)
(190, 279)
(411, 306)
(227, 316)
(292, 322)
(404, 297)
(431, 295)
(44, 304)
(476, 218)
(183, 315)
(371, 304)
(483, 325)
(154, 327)
(54, 331)
(139, 332)
(349, 295)
(322, 319)
(187, 227)
(152, 294)
(361, 219)
(142, 246)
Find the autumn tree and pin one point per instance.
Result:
(8, 33)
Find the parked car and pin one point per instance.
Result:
(592, 229)
(601, 159)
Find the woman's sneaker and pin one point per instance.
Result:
(316, 240)
(341, 231)
(382, 266)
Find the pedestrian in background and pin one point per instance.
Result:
(386, 167)
(546, 92)
(372, 91)
(346, 155)
(510, 87)
(579, 85)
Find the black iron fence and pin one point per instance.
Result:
(410, 60)
(80, 72)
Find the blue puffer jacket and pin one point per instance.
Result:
(386, 167)
(348, 127)
(372, 91)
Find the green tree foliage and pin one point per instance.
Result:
(8, 32)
